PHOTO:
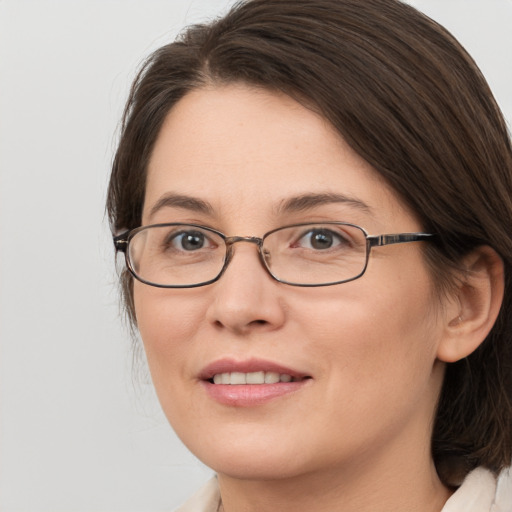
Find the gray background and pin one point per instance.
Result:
(79, 431)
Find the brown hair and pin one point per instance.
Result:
(407, 97)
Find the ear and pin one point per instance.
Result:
(475, 305)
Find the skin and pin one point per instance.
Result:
(358, 433)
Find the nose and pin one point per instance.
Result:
(246, 298)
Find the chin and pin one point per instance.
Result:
(259, 468)
(268, 459)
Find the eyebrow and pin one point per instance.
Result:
(184, 202)
(300, 203)
(310, 201)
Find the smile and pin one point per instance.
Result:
(250, 383)
(261, 377)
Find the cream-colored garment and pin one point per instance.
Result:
(207, 499)
(480, 492)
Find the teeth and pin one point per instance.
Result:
(237, 378)
(255, 378)
(271, 378)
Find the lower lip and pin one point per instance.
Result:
(250, 395)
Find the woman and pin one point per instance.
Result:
(311, 362)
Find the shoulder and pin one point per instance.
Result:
(207, 499)
(482, 491)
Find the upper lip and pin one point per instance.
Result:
(228, 365)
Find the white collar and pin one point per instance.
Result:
(480, 492)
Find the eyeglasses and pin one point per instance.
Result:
(314, 254)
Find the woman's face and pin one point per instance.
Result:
(362, 354)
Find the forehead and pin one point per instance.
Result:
(244, 149)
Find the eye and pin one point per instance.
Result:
(321, 239)
(188, 241)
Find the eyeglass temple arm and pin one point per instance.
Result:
(400, 238)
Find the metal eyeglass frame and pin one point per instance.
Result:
(122, 241)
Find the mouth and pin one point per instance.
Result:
(250, 383)
(258, 377)
(252, 371)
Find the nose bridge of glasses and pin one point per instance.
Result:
(230, 240)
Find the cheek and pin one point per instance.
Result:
(166, 326)
(383, 343)
(377, 367)
(380, 336)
